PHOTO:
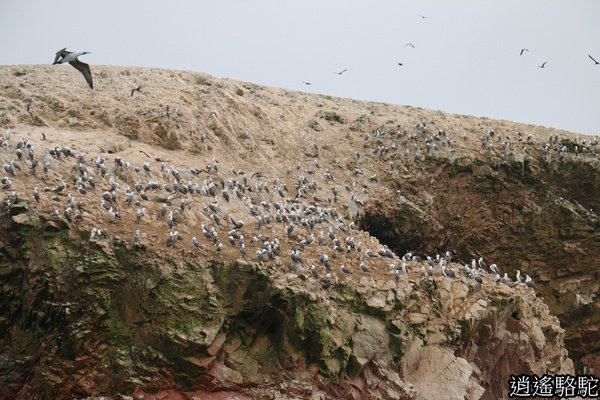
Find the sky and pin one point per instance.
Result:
(465, 60)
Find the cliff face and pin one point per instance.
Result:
(89, 318)
(247, 170)
(532, 216)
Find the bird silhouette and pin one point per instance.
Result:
(136, 89)
(409, 44)
(422, 16)
(342, 71)
(595, 62)
(522, 51)
(307, 83)
(64, 56)
(543, 64)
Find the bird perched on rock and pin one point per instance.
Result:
(64, 56)
(369, 253)
(363, 267)
(327, 282)
(172, 239)
(196, 243)
(529, 281)
(314, 272)
(481, 263)
(36, 194)
(137, 237)
(345, 269)
(114, 215)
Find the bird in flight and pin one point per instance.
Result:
(543, 64)
(342, 71)
(595, 62)
(522, 51)
(306, 83)
(64, 56)
(136, 89)
(400, 64)
(422, 16)
(409, 44)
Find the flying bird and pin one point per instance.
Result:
(543, 64)
(409, 44)
(307, 83)
(522, 51)
(136, 89)
(64, 56)
(595, 62)
(422, 16)
(342, 71)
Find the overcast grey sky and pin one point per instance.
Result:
(466, 56)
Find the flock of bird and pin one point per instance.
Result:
(235, 215)
(542, 65)
(64, 56)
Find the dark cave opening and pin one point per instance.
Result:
(390, 234)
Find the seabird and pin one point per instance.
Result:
(522, 51)
(307, 83)
(543, 64)
(409, 44)
(327, 281)
(313, 271)
(494, 268)
(342, 71)
(136, 89)
(137, 237)
(422, 16)
(481, 263)
(529, 281)
(9, 169)
(363, 267)
(595, 62)
(64, 56)
(114, 215)
(172, 239)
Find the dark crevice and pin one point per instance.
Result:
(391, 234)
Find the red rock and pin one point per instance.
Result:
(217, 344)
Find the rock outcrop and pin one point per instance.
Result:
(269, 181)
(90, 318)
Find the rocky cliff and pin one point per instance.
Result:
(105, 293)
